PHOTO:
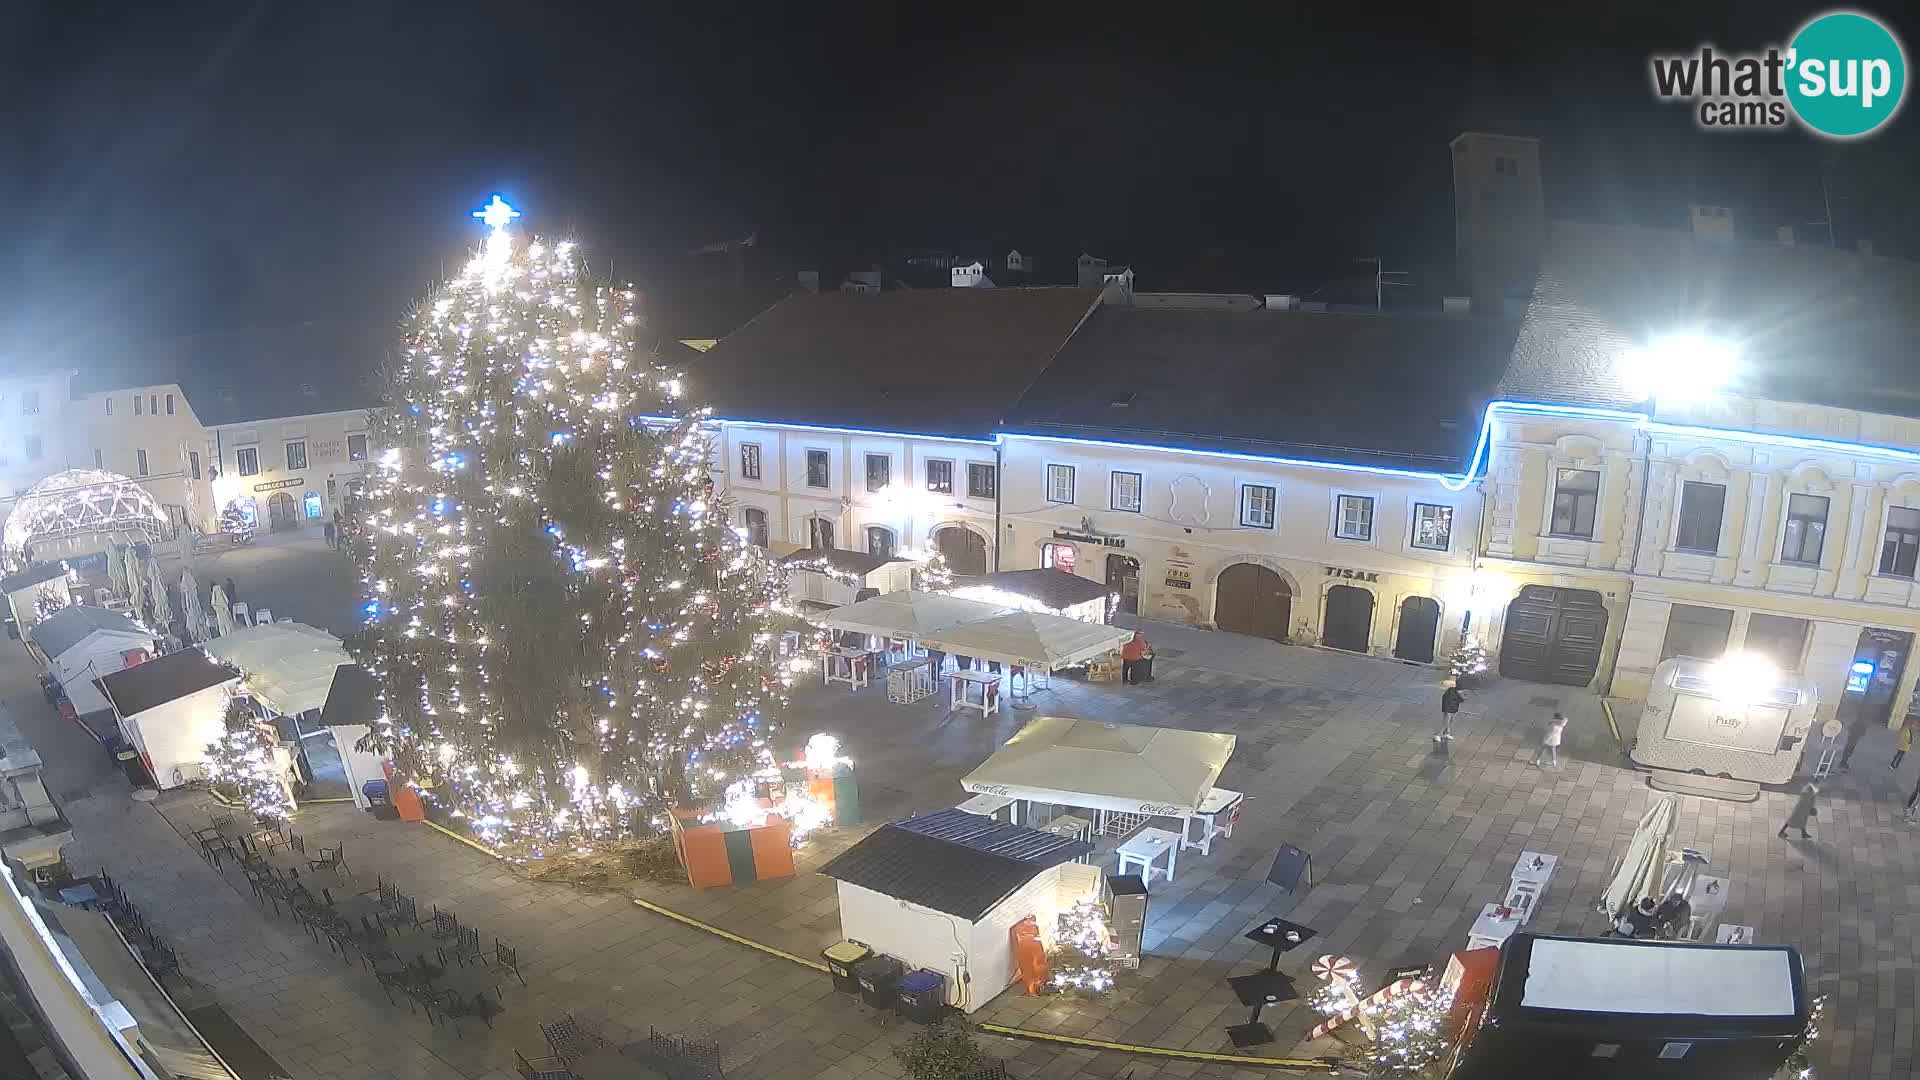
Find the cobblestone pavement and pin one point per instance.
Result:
(1334, 754)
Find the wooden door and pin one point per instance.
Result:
(966, 552)
(1253, 600)
(1349, 621)
(1553, 635)
(1123, 580)
(281, 513)
(1419, 622)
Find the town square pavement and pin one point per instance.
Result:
(1334, 753)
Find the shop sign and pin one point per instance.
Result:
(1162, 809)
(1089, 538)
(1179, 577)
(1353, 575)
(276, 485)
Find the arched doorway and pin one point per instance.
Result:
(1553, 635)
(1251, 599)
(1419, 621)
(1349, 621)
(281, 513)
(1123, 580)
(966, 552)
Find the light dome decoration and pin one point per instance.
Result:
(81, 501)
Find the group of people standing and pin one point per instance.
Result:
(1452, 696)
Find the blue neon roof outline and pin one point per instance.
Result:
(1449, 481)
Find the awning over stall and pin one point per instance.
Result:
(1034, 590)
(289, 665)
(1031, 638)
(906, 614)
(1124, 767)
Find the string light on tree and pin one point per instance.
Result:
(1082, 944)
(242, 760)
(568, 636)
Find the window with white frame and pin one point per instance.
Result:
(1058, 557)
(940, 476)
(1353, 517)
(1257, 505)
(1060, 483)
(1125, 493)
(879, 471)
(1701, 508)
(880, 542)
(1432, 526)
(1901, 547)
(819, 470)
(749, 461)
(356, 448)
(246, 459)
(983, 482)
(1576, 502)
(1806, 532)
(297, 454)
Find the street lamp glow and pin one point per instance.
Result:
(1679, 367)
(1742, 677)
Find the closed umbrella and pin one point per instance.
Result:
(160, 612)
(222, 612)
(136, 587)
(1644, 866)
(190, 607)
(117, 572)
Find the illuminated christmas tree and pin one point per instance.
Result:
(568, 636)
(242, 762)
(935, 574)
(1082, 945)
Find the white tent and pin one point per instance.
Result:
(1030, 638)
(906, 614)
(1165, 772)
(83, 643)
(288, 665)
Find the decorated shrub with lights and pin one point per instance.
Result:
(567, 634)
(242, 763)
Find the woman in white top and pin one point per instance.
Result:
(1550, 742)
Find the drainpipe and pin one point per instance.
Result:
(999, 482)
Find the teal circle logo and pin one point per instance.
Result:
(1846, 74)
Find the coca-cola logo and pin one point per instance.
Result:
(990, 789)
(1160, 809)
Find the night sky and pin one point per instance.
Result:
(246, 166)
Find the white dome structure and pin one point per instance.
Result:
(77, 502)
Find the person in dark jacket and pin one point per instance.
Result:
(233, 592)
(1450, 700)
(1803, 811)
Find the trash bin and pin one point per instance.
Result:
(376, 793)
(921, 996)
(879, 977)
(841, 957)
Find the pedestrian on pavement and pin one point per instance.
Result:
(1450, 700)
(1903, 743)
(327, 533)
(1136, 660)
(1550, 741)
(1803, 811)
(233, 592)
(1912, 801)
(1856, 729)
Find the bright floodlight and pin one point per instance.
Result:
(1679, 367)
(1743, 677)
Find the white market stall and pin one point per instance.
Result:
(289, 666)
(349, 712)
(81, 643)
(1126, 773)
(944, 890)
(905, 614)
(170, 709)
(1054, 592)
(1036, 642)
(836, 578)
(28, 588)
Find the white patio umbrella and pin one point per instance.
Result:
(117, 572)
(190, 609)
(160, 611)
(1644, 866)
(136, 586)
(222, 612)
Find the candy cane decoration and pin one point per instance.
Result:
(1341, 974)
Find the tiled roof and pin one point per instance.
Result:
(74, 623)
(929, 362)
(1813, 324)
(951, 861)
(1055, 588)
(1398, 390)
(351, 698)
(136, 689)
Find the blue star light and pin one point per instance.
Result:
(497, 215)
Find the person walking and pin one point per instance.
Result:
(1550, 742)
(1803, 811)
(1450, 700)
(1902, 743)
(233, 592)
(326, 532)
(1856, 729)
(1913, 800)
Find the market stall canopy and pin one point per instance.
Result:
(170, 678)
(1048, 589)
(289, 665)
(1030, 637)
(75, 623)
(857, 563)
(906, 614)
(1123, 767)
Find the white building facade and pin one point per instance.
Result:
(151, 434)
(35, 423)
(294, 472)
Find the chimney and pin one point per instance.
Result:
(1784, 234)
(1456, 305)
(1865, 245)
(1280, 301)
(1711, 224)
(810, 280)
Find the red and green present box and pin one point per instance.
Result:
(721, 853)
(837, 789)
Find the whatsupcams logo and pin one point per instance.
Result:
(1842, 76)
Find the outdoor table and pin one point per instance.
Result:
(82, 895)
(1490, 931)
(1531, 873)
(910, 681)
(847, 665)
(1219, 802)
(1146, 846)
(1734, 934)
(990, 806)
(961, 698)
(607, 1063)
(1073, 827)
(1280, 936)
(904, 648)
(1258, 990)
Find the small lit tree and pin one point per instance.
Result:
(1082, 946)
(934, 575)
(242, 760)
(1468, 664)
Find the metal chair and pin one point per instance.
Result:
(445, 923)
(508, 957)
(333, 858)
(467, 946)
(453, 1006)
(546, 1068)
(568, 1041)
(405, 912)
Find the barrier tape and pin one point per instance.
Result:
(1303, 1064)
(730, 936)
